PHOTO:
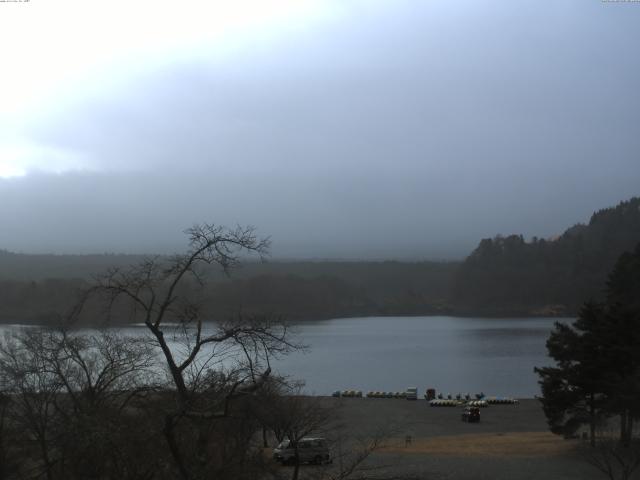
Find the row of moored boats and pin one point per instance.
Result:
(440, 400)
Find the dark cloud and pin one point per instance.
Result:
(402, 130)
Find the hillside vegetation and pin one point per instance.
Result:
(509, 274)
(295, 290)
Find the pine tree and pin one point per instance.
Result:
(598, 359)
(623, 319)
(574, 392)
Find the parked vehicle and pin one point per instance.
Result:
(471, 415)
(412, 393)
(310, 450)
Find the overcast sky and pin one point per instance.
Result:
(342, 129)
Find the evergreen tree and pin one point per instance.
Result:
(574, 392)
(623, 304)
(598, 359)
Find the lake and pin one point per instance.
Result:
(451, 354)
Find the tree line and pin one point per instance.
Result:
(298, 291)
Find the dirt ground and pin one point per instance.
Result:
(510, 442)
(528, 444)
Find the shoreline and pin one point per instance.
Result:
(299, 321)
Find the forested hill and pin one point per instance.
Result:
(33, 288)
(509, 274)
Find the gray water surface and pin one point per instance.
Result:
(451, 354)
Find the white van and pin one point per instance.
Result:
(310, 450)
(412, 393)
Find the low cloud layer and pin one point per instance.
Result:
(390, 131)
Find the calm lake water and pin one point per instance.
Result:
(451, 354)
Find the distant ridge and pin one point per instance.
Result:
(33, 267)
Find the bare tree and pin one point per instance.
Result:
(292, 416)
(65, 398)
(8, 456)
(93, 406)
(33, 393)
(99, 370)
(612, 457)
(209, 364)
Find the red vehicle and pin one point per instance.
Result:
(471, 415)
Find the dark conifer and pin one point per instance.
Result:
(597, 372)
(574, 392)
